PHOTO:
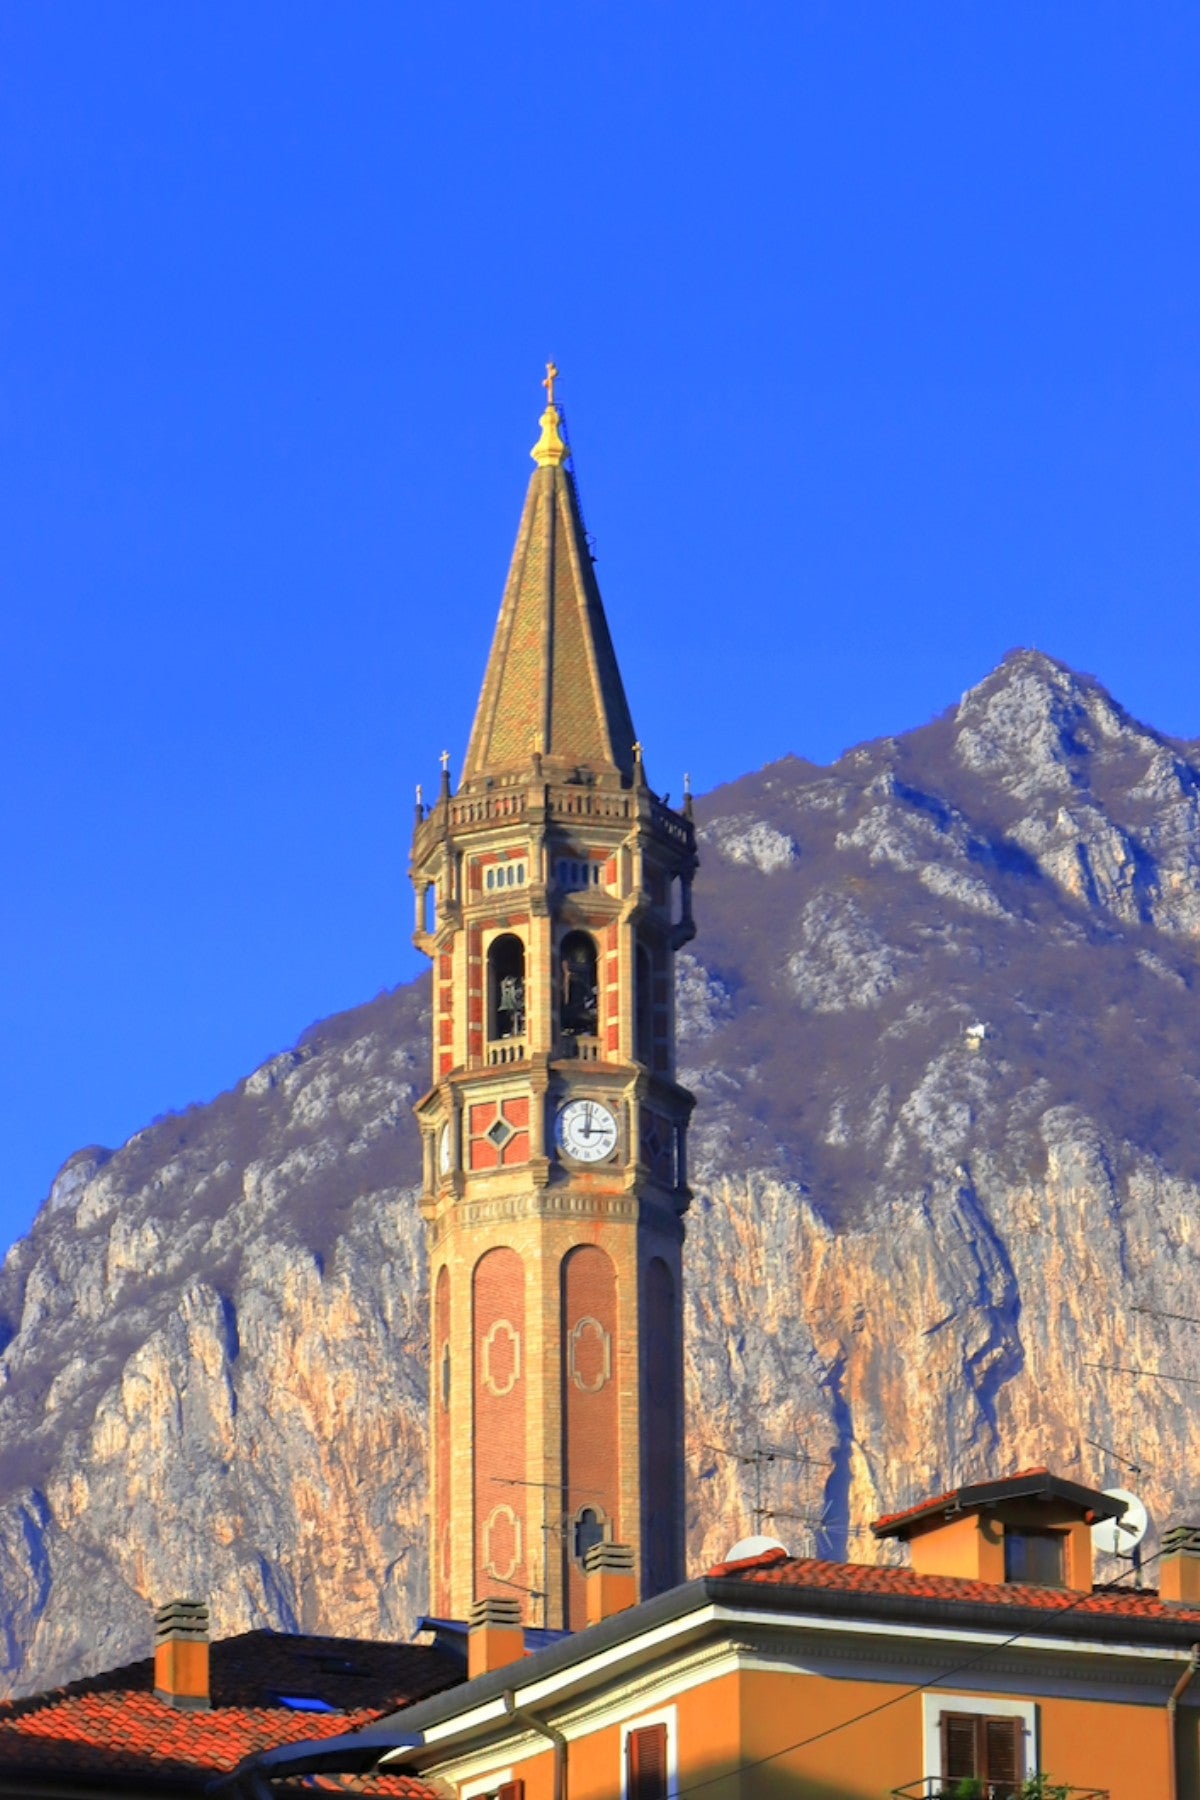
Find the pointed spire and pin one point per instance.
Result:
(552, 688)
(550, 451)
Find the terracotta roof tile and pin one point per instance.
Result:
(113, 1726)
(873, 1578)
(741, 1565)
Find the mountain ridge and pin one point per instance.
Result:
(940, 1024)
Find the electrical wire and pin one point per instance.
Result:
(1146, 1374)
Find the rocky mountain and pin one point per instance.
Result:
(942, 1022)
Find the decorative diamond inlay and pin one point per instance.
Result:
(499, 1132)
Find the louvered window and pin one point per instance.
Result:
(646, 1763)
(991, 1750)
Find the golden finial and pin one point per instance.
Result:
(550, 450)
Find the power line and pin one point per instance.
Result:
(1155, 1312)
(1148, 1374)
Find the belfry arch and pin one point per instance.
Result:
(506, 987)
(578, 986)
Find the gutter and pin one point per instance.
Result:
(353, 1753)
(684, 1613)
(522, 1716)
(1177, 1693)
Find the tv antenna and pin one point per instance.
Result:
(758, 1458)
(549, 1528)
(1135, 1468)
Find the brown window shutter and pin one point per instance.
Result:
(511, 1790)
(960, 1745)
(1004, 1751)
(646, 1763)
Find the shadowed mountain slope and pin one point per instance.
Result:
(942, 1024)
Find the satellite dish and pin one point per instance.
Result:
(745, 1548)
(1121, 1537)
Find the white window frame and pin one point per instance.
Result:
(667, 1716)
(486, 1784)
(935, 1704)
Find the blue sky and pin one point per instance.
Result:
(878, 332)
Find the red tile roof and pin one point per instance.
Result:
(113, 1727)
(872, 1578)
(765, 1559)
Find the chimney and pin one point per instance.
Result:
(1179, 1564)
(181, 1655)
(496, 1637)
(611, 1582)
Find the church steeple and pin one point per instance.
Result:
(555, 1130)
(552, 686)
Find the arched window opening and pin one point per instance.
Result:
(588, 1531)
(506, 987)
(579, 1007)
(644, 1017)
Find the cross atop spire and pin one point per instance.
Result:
(550, 451)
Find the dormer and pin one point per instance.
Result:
(1032, 1528)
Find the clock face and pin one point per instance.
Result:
(444, 1150)
(586, 1130)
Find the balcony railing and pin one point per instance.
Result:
(485, 809)
(581, 1049)
(506, 1050)
(974, 1787)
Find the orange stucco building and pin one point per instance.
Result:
(840, 1681)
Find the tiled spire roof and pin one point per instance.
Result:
(552, 685)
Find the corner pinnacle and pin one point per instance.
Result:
(550, 450)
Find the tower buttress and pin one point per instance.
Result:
(554, 1134)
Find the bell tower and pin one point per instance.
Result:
(553, 888)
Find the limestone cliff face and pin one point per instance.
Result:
(942, 1025)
